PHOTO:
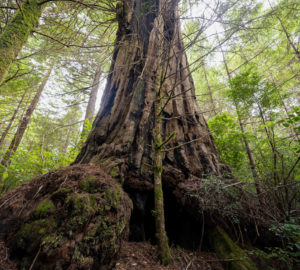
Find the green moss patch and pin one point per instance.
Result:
(231, 254)
(79, 224)
(114, 197)
(91, 185)
(114, 172)
(45, 208)
(31, 233)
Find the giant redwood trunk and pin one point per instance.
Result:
(121, 138)
(149, 55)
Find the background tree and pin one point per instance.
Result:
(16, 33)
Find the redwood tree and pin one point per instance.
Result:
(149, 127)
(149, 113)
(122, 133)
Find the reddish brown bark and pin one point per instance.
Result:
(122, 132)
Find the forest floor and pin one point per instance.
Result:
(143, 256)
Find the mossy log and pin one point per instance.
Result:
(72, 218)
(17, 32)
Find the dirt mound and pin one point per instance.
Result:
(71, 218)
(142, 255)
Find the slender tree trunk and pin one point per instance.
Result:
(209, 91)
(25, 121)
(257, 146)
(157, 143)
(17, 32)
(41, 152)
(249, 154)
(272, 143)
(67, 142)
(11, 121)
(246, 143)
(161, 235)
(290, 42)
(90, 109)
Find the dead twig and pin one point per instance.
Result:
(35, 258)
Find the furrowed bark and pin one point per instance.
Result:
(16, 34)
(120, 139)
(148, 55)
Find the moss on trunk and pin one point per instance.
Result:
(16, 34)
(233, 257)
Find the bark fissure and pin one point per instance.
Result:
(120, 136)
